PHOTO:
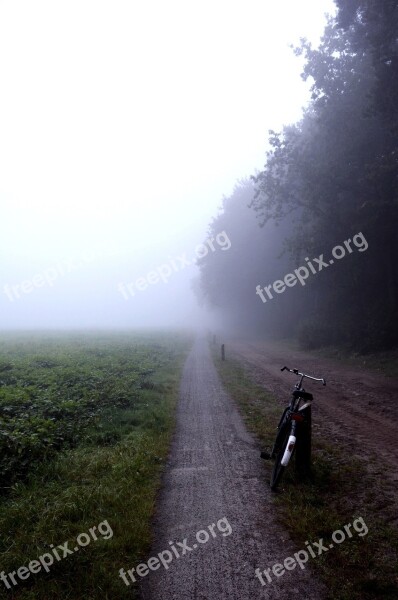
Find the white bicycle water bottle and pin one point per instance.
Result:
(288, 451)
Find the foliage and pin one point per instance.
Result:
(330, 176)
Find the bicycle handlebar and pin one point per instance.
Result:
(297, 372)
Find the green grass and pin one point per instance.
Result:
(340, 490)
(110, 473)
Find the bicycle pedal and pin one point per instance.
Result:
(265, 455)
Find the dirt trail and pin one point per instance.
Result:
(214, 471)
(357, 409)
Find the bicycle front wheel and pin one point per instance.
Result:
(278, 469)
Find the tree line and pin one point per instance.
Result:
(327, 178)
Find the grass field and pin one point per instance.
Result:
(85, 425)
(341, 489)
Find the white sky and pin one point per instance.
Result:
(123, 123)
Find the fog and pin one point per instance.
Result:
(122, 127)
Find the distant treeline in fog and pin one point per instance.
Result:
(328, 179)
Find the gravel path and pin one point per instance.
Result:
(215, 477)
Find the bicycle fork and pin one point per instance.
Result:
(289, 446)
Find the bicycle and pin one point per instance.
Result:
(294, 426)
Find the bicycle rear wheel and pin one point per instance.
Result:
(278, 469)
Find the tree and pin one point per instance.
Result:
(330, 176)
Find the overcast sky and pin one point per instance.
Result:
(122, 125)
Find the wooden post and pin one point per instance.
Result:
(223, 352)
(303, 446)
